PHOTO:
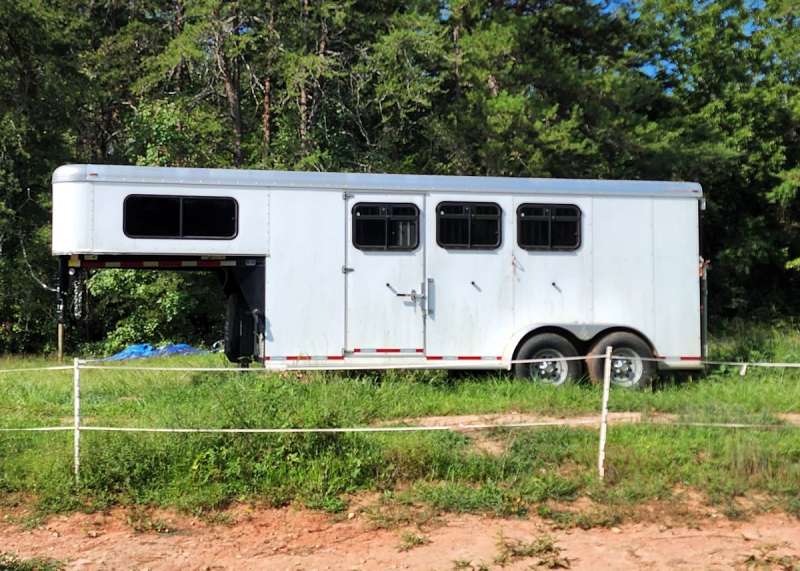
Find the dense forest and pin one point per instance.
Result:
(653, 89)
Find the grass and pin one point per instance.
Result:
(10, 562)
(543, 547)
(536, 468)
(409, 540)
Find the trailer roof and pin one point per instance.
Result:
(373, 182)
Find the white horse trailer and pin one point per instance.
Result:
(336, 270)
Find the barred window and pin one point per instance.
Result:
(468, 225)
(379, 226)
(549, 227)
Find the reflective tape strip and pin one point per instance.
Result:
(304, 358)
(386, 350)
(461, 358)
(202, 263)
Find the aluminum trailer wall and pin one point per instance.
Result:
(330, 302)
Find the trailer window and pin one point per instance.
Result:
(180, 217)
(549, 226)
(208, 217)
(378, 226)
(468, 225)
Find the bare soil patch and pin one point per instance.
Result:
(260, 538)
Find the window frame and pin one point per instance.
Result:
(180, 235)
(469, 218)
(386, 218)
(551, 218)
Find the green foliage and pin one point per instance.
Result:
(135, 306)
(648, 89)
(170, 133)
(10, 562)
(542, 469)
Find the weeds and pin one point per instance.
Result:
(409, 540)
(766, 558)
(10, 562)
(215, 517)
(394, 511)
(439, 471)
(141, 520)
(543, 547)
(584, 519)
(466, 565)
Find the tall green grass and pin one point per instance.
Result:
(444, 470)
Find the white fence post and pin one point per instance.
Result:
(601, 457)
(76, 413)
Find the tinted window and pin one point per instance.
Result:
(385, 226)
(209, 218)
(195, 217)
(152, 216)
(549, 226)
(468, 225)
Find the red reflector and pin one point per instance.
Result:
(298, 357)
(208, 264)
(468, 358)
(690, 358)
(335, 358)
(169, 263)
(385, 350)
(434, 357)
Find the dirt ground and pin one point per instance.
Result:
(256, 538)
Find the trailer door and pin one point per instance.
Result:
(385, 274)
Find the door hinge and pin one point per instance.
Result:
(346, 270)
(346, 195)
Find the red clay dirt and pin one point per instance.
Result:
(261, 538)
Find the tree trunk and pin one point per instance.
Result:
(303, 115)
(266, 114)
(230, 80)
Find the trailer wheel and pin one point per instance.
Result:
(233, 338)
(630, 364)
(555, 371)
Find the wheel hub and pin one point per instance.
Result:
(626, 367)
(553, 370)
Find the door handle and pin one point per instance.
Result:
(412, 294)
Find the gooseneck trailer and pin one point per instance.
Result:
(336, 270)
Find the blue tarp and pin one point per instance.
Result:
(145, 350)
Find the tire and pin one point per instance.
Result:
(239, 332)
(544, 346)
(232, 337)
(628, 369)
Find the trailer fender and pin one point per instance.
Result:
(584, 332)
